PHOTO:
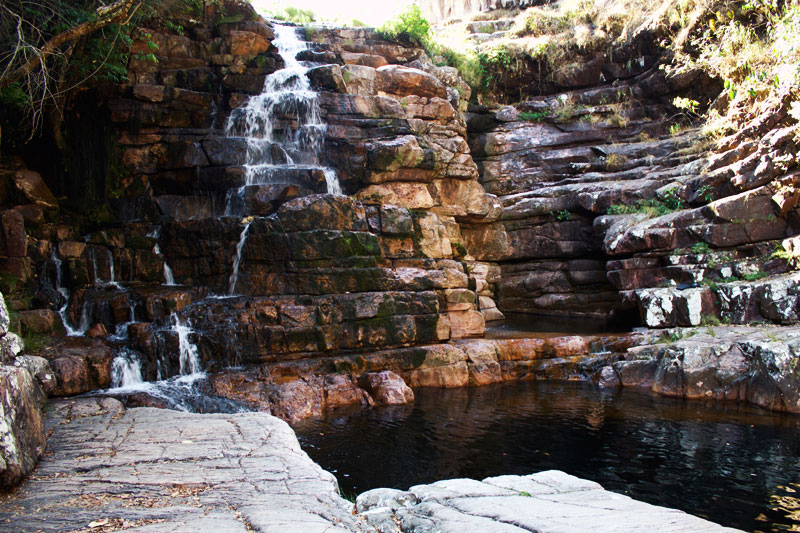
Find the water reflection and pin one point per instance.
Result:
(732, 464)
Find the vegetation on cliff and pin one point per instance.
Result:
(50, 48)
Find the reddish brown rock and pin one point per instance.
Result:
(41, 322)
(98, 330)
(387, 388)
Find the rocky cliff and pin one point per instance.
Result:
(341, 241)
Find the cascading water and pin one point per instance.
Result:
(282, 126)
(169, 278)
(62, 311)
(238, 259)
(186, 391)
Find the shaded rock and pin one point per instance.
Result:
(22, 432)
(33, 187)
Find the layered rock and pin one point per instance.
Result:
(753, 364)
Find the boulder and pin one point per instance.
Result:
(387, 388)
(403, 81)
(22, 432)
(34, 189)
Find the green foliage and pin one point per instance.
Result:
(409, 26)
(295, 14)
(358, 24)
(700, 248)
(653, 207)
(533, 116)
(468, 65)
(754, 276)
(561, 216)
(14, 96)
(706, 193)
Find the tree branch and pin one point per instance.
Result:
(117, 12)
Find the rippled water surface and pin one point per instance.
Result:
(732, 464)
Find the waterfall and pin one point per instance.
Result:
(126, 369)
(189, 357)
(169, 278)
(238, 259)
(62, 311)
(282, 126)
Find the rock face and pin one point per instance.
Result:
(157, 469)
(22, 433)
(547, 501)
(757, 365)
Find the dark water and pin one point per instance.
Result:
(735, 465)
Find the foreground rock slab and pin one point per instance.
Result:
(548, 501)
(158, 470)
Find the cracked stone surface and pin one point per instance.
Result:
(147, 469)
(549, 501)
(155, 470)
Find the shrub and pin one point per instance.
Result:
(295, 14)
(409, 26)
(533, 116)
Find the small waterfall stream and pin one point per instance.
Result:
(282, 126)
(237, 260)
(62, 311)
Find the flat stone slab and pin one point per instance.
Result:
(148, 469)
(551, 501)
(156, 470)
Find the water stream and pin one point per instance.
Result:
(730, 463)
(282, 127)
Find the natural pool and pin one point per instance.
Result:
(733, 464)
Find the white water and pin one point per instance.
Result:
(238, 259)
(189, 356)
(282, 125)
(62, 312)
(169, 278)
(126, 369)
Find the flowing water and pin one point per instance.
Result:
(282, 126)
(735, 465)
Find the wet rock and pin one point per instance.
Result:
(387, 388)
(22, 432)
(98, 330)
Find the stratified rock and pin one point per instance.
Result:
(22, 433)
(724, 363)
(387, 388)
